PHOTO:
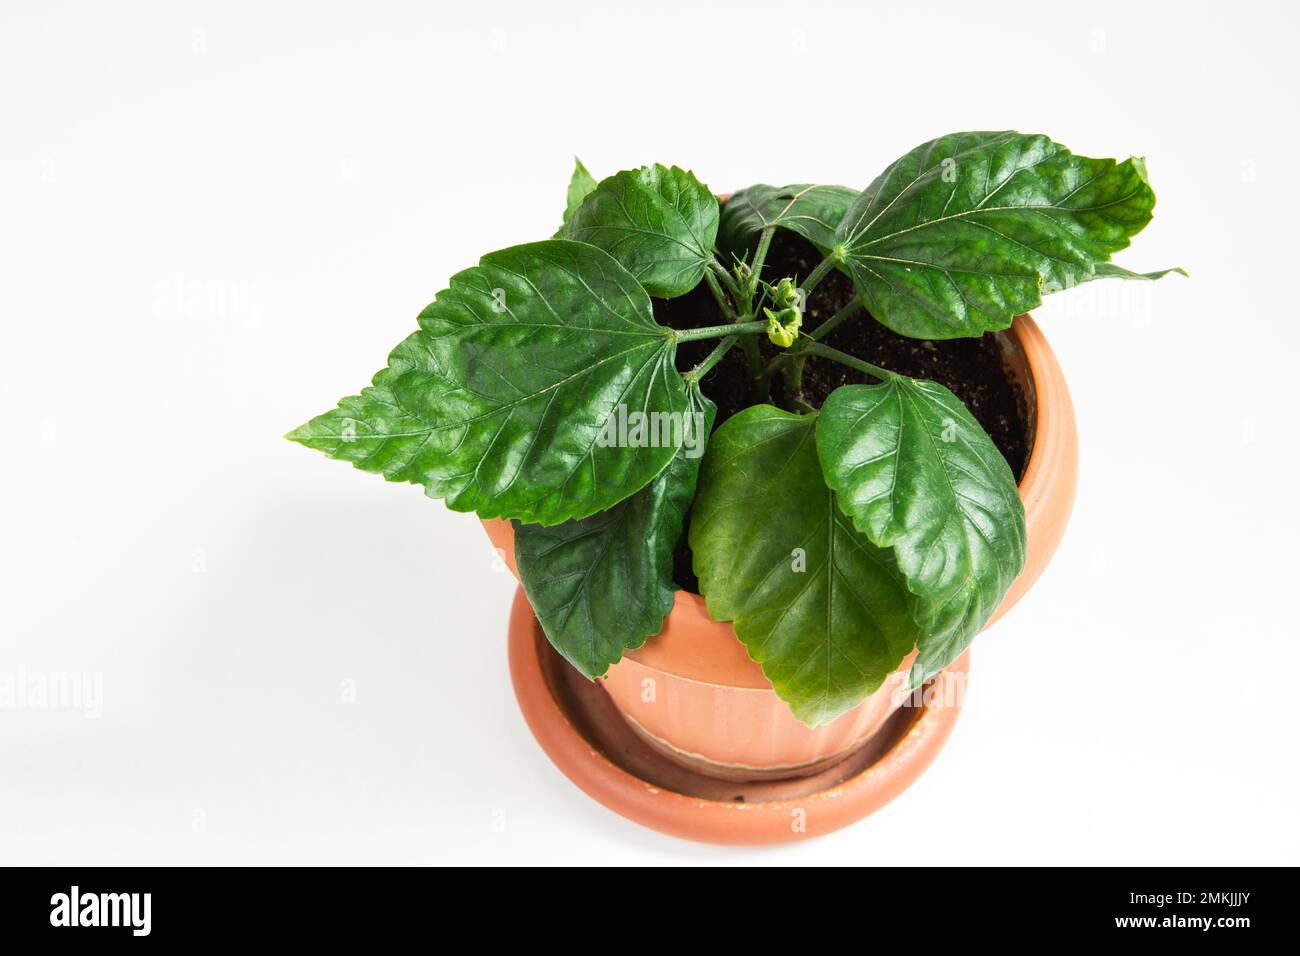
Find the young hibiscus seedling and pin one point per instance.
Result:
(903, 513)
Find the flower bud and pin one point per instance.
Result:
(783, 326)
(785, 293)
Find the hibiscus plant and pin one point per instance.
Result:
(542, 386)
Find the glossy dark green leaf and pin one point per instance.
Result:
(812, 211)
(659, 222)
(916, 473)
(826, 612)
(961, 234)
(499, 403)
(581, 185)
(603, 584)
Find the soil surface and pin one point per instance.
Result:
(971, 368)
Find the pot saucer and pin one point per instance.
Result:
(589, 740)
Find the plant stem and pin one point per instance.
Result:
(795, 374)
(835, 355)
(710, 360)
(825, 266)
(744, 311)
(727, 311)
(744, 299)
(719, 331)
(760, 254)
(829, 325)
(792, 372)
(718, 269)
(752, 355)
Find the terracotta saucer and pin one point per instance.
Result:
(588, 739)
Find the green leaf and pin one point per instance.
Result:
(812, 211)
(660, 223)
(1108, 270)
(580, 187)
(499, 403)
(961, 234)
(916, 473)
(603, 584)
(825, 611)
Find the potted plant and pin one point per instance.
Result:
(767, 456)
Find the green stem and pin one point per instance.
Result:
(778, 362)
(772, 367)
(760, 254)
(727, 311)
(795, 374)
(718, 331)
(718, 269)
(792, 372)
(753, 356)
(710, 360)
(825, 266)
(835, 355)
(829, 325)
(743, 299)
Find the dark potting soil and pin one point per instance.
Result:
(972, 369)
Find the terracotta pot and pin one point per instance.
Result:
(582, 731)
(693, 692)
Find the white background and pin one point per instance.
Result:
(215, 222)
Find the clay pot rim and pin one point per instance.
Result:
(707, 820)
